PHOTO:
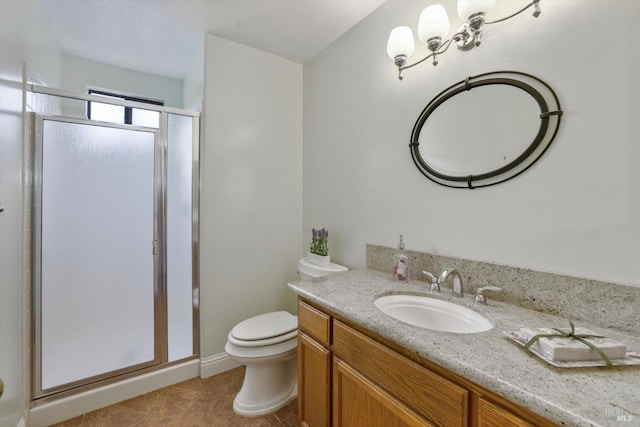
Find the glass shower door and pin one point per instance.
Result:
(97, 279)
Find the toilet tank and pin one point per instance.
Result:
(309, 270)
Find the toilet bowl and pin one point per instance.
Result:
(267, 344)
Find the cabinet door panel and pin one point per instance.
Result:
(490, 415)
(314, 374)
(314, 323)
(359, 402)
(429, 394)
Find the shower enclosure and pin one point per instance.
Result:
(115, 248)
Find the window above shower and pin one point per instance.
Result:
(124, 115)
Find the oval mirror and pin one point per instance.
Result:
(485, 130)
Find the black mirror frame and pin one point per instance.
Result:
(550, 115)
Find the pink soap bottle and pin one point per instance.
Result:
(400, 264)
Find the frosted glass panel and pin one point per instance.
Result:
(97, 286)
(146, 118)
(107, 112)
(179, 237)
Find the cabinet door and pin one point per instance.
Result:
(430, 395)
(490, 415)
(359, 402)
(314, 374)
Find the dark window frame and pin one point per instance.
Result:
(128, 111)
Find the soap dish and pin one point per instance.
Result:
(631, 358)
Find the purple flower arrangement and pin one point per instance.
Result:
(319, 242)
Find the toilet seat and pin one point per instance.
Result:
(265, 353)
(262, 343)
(265, 329)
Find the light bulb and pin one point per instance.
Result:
(400, 42)
(433, 22)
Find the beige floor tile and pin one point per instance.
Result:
(288, 416)
(73, 422)
(183, 398)
(130, 413)
(194, 403)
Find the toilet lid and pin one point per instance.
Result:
(265, 326)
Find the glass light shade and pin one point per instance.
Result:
(434, 22)
(466, 8)
(400, 42)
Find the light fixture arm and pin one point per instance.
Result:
(467, 37)
(536, 12)
(442, 49)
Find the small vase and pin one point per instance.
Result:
(321, 260)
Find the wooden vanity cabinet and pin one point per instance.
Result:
(314, 367)
(434, 398)
(347, 378)
(358, 401)
(491, 415)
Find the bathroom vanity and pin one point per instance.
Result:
(358, 366)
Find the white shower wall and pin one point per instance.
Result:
(25, 36)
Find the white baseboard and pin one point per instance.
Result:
(216, 364)
(72, 406)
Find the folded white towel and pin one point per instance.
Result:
(570, 349)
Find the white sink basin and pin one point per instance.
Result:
(432, 313)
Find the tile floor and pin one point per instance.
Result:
(193, 403)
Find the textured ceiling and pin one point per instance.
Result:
(163, 36)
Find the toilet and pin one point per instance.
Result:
(267, 344)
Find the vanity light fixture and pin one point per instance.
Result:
(433, 27)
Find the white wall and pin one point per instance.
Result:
(574, 212)
(251, 202)
(193, 83)
(78, 74)
(24, 36)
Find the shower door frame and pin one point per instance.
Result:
(160, 360)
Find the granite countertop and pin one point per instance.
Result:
(594, 396)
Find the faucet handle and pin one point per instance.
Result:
(429, 275)
(435, 286)
(479, 297)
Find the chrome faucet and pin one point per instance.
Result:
(458, 290)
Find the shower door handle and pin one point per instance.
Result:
(1, 208)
